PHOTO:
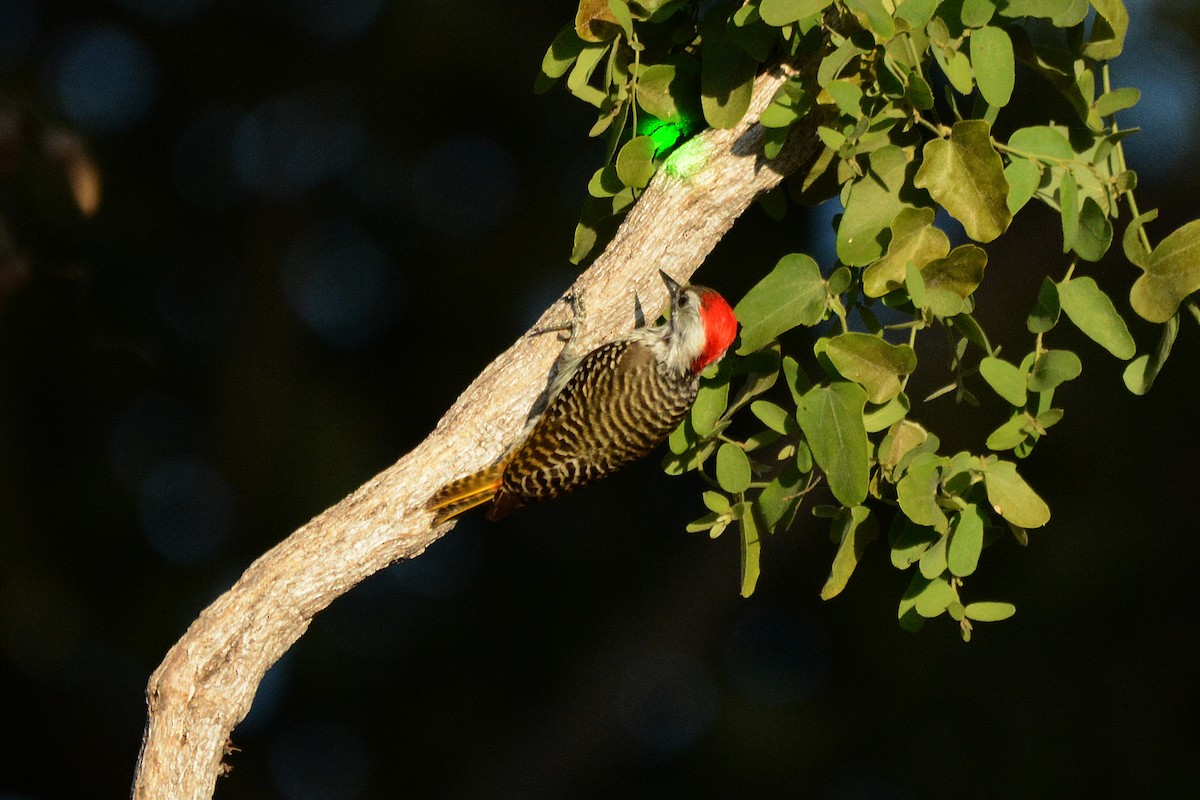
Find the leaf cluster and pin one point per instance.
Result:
(914, 94)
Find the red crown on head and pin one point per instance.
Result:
(720, 328)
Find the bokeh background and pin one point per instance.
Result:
(319, 219)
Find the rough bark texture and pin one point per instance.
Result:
(206, 683)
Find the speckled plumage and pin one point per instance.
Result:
(616, 407)
(609, 408)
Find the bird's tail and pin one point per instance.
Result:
(465, 493)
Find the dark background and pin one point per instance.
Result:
(319, 221)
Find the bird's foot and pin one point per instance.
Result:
(571, 326)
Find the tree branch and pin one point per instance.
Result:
(208, 680)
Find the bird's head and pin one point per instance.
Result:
(702, 324)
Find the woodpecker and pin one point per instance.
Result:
(604, 410)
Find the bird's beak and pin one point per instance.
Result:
(673, 286)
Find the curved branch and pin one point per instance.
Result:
(207, 681)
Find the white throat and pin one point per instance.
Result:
(679, 341)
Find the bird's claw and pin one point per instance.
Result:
(578, 314)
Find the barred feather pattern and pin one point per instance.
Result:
(619, 404)
(603, 411)
(465, 493)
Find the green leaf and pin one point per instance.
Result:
(781, 496)
(1076, 13)
(918, 92)
(585, 64)
(840, 280)
(1108, 31)
(797, 382)
(773, 141)
(760, 440)
(832, 65)
(792, 294)
(733, 468)
(909, 619)
(951, 280)
(804, 457)
(1047, 9)
(916, 13)
(586, 236)
(934, 598)
(1131, 242)
(955, 66)
(847, 97)
(682, 438)
(605, 182)
(989, 611)
(1011, 496)
(790, 103)
(832, 420)
(914, 239)
(965, 175)
(1010, 434)
(1140, 374)
(1042, 142)
(933, 561)
(917, 492)
(773, 416)
(635, 161)
(751, 545)
(1052, 368)
(689, 460)
(1023, 177)
(854, 528)
(761, 369)
(1045, 312)
(914, 284)
(1110, 103)
(726, 74)
(994, 65)
(707, 522)
(1048, 419)
(903, 437)
(1068, 203)
(654, 92)
(886, 415)
(972, 331)
(1006, 379)
(958, 476)
(559, 57)
(710, 404)
(1172, 273)
(977, 13)
(876, 365)
(620, 12)
(716, 502)
(752, 34)
(874, 201)
(966, 542)
(831, 138)
(1093, 313)
(784, 12)
(879, 21)
(909, 542)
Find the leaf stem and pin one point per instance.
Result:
(1025, 154)
(1070, 269)
(1119, 152)
(912, 342)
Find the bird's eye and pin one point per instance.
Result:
(684, 299)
